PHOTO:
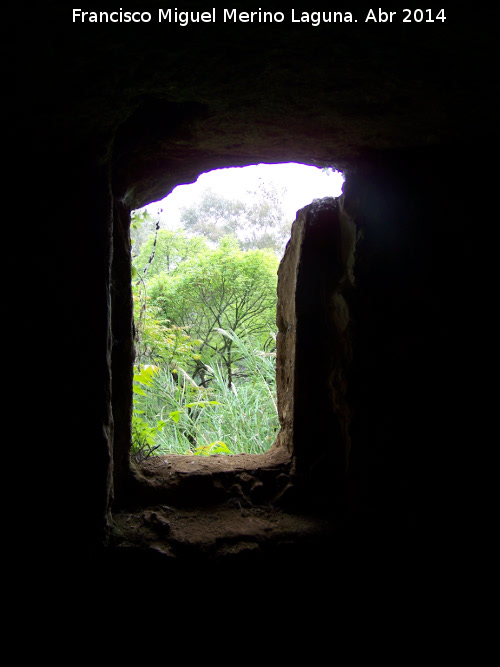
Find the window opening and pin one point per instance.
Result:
(205, 263)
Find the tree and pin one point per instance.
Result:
(142, 226)
(213, 217)
(165, 250)
(222, 289)
(259, 223)
(158, 340)
(266, 224)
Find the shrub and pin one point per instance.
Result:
(186, 418)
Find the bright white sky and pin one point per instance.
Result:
(303, 183)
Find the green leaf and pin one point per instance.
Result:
(221, 447)
(175, 415)
(201, 404)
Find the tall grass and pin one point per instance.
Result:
(242, 415)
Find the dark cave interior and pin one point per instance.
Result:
(116, 116)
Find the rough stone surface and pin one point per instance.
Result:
(313, 344)
(115, 116)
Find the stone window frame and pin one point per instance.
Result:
(318, 261)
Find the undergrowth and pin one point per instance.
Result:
(174, 414)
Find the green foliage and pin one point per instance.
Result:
(261, 224)
(213, 217)
(141, 227)
(218, 419)
(203, 315)
(176, 414)
(143, 435)
(158, 342)
(226, 288)
(217, 447)
(171, 248)
(265, 223)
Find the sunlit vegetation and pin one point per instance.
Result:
(205, 299)
(205, 327)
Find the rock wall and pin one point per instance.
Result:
(314, 347)
(113, 117)
(411, 222)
